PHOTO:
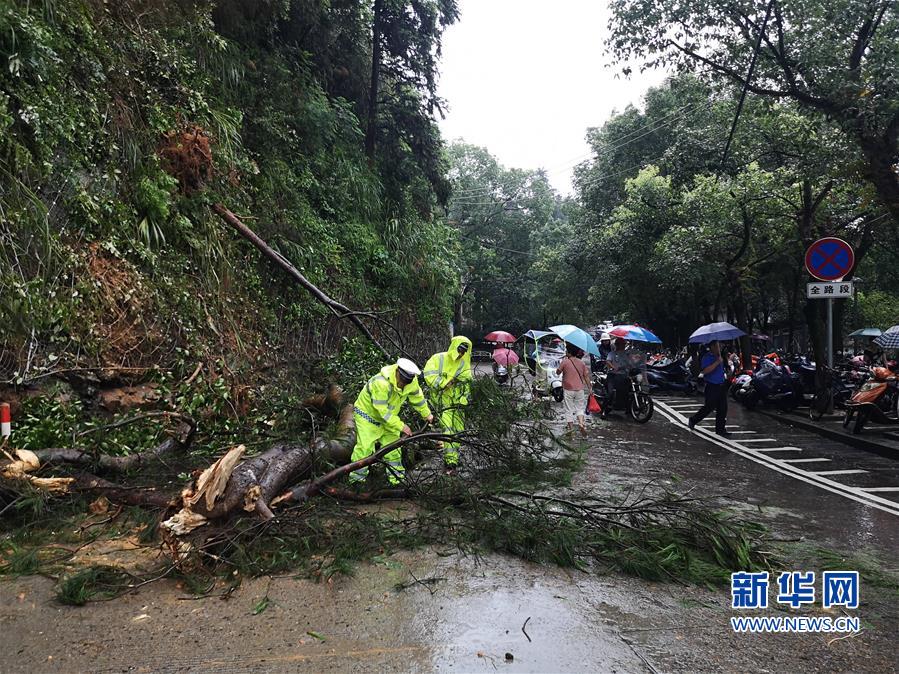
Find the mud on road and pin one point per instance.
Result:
(437, 610)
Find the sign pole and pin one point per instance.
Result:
(830, 332)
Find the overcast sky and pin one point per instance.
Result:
(526, 78)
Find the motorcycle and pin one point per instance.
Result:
(876, 400)
(771, 383)
(629, 393)
(673, 376)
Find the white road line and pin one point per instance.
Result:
(857, 494)
(806, 460)
(778, 449)
(884, 489)
(849, 471)
(742, 433)
(757, 440)
(712, 426)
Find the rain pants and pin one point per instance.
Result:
(448, 376)
(376, 413)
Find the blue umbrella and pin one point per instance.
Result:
(715, 332)
(889, 339)
(574, 335)
(634, 333)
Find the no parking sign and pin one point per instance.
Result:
(829, 259)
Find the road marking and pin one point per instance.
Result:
(712, 426)
(885, 489)
(742, 433)
(757, 440)
(778, 449)
(849, 471)
(806, 460)
(857, 494)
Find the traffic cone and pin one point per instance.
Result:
(5, 421)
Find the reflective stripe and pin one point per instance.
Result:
(439, 379)
(461, 367)
(359, 475)
(378, 402)
(365, 416)
(427, 372)
(421, 403)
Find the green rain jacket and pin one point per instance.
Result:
(448, 368)
(381, 399)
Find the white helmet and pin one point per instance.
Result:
(605, 337)
(407, 369)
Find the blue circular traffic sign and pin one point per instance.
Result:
(829, 259)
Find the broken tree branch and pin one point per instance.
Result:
(91, 484)
(339, 310)
(179, 441)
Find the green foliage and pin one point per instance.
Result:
(876, 309)
(94, 583)
(355, 363)
(46, 421)
(92, 101)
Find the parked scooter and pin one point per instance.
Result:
(547, 381)
(630, 393)
(876, 400)
(673, 376)
(771, 384)
(500, 373)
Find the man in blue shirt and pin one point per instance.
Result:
(712, 365)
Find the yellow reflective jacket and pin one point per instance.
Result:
(448, 368)
(381, 399)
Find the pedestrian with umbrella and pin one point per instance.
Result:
(712, 367)
(575, 383)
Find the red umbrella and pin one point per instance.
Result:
(505, 357)
(500, 336)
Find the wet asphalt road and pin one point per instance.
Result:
(666, 450)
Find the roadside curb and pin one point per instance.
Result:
(860, 442)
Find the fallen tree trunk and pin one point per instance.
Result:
(253, 484)
(338, 309)
(139, 496)
(309, 489)
(176, 443)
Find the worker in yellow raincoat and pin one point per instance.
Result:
(448, 375)
(376, 413)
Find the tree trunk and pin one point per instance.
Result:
(371, 128)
